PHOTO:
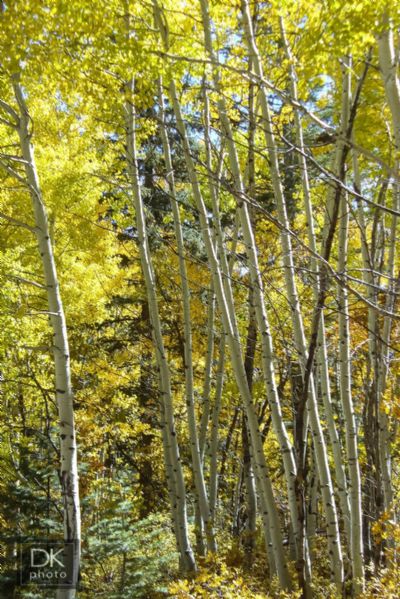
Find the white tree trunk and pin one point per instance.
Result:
(388, 65)
(197, 462)
(213, 449)
(385, 453)
(356, 539)
(322, 353)
(187, 558)
(64, 393)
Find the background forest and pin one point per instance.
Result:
(199, 283)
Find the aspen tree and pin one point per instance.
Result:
(388, 63)
(346, 393)
(251, 497)
(348, 408)
(205, 402)
(385, 433)
(196, 450)
(385, 446)
(251, 342)
(60, 346)
(250, 348)
(353, 516)
(171, 451)
(205, 416)
(213, 187)
(213, 446)
(322, 353)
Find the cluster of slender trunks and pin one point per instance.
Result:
(304, 449)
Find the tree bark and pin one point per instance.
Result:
(196, 450)
(64, 393)
(170, 445)
(388, 65)
(322, 353)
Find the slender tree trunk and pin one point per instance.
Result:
(312, 507)
(171, 448)
(205, 416)
(322, 353)
(357, 556)
(213, 451)
(388, 65)
(249, 533)
(385, 435)
(300, 341)
(251, 496)
(64, 393)
(196, 451)
(356, 536)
